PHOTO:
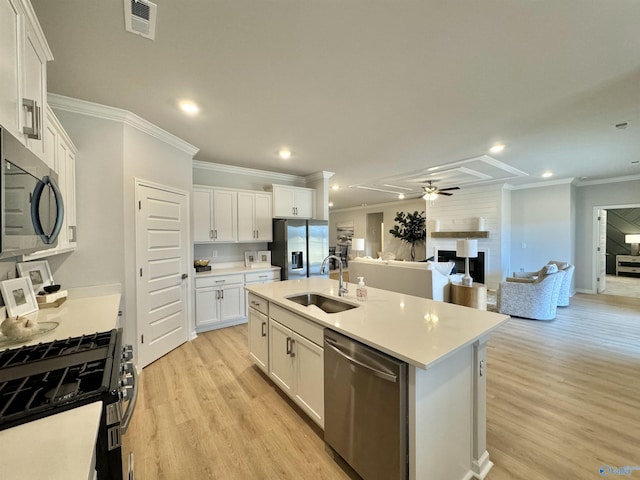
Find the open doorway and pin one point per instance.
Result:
(612, 224)
(375, 229)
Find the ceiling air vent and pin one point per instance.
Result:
(140, 18)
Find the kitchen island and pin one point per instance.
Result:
(444, 346)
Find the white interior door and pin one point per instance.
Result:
(161, 256)
(602, 251)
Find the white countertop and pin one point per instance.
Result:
(419, 331)
(58, 447)
(76, 316)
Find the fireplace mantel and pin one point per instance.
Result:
(467, 234)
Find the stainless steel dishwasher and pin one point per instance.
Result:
(365, 405)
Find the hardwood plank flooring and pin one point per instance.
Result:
(563, 399)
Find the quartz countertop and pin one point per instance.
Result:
(419, 331)
(57, 447)
(76, 316)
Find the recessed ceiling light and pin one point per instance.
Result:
(497, 148)
(547, 174)
(187, 106)
(401, 196)
(284, 153)
(335, 187)
(331, 204)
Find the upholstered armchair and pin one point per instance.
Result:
(535, 297)
(565, 287)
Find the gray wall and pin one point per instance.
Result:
(542, 226)
(111, 155)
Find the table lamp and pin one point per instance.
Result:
(467, 249)
(358, 245)
(634, 240)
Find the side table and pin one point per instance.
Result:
(474, 296)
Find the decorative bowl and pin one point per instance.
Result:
(201, 263)
(51, 288)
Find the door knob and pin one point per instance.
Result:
(185, 276)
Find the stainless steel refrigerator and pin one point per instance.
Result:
(299, 246)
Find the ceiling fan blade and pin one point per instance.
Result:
(444, 193)
(450, 188)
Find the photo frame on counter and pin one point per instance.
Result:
(19, 297)
(38, 271)
(264, 257)
(250, 258)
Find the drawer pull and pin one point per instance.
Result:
(220, 281)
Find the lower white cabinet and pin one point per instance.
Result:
(259, 332)
(220, 300)
(296, 362)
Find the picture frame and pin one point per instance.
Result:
(19, 297)
(38, 271)
(264, 257)
(250, 258)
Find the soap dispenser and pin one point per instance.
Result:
(361, 291)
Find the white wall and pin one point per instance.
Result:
(542, 226)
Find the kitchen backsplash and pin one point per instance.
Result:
(224, 253)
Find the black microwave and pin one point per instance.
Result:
(31, 205)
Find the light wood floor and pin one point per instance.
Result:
(563, 400)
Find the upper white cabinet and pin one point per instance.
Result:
(292, 202)
(254, 217)
(215, 214)
(23, 76)
(226, 215)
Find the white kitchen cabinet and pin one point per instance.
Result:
(215, 213)
(254, 217)
(23, 76)
(296, 360)
(220, 301)
(10, 73)
(259, 332)
(293, 202)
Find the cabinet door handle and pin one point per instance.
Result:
(217, 294)
(293, 342)
(222, 294)
(32, 108)
(210, 233)
(264, 329)
(289, 341)
(215, 234)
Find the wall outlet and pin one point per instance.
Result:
(214, 253)
(521, 269)
(524, 245)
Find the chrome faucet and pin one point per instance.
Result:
(342, 288)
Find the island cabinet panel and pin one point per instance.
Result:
(281, 361)
(296, 360)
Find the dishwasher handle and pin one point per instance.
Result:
(378, 373)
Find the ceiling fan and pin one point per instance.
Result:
(431, 191)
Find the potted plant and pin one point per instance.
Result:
(410, 228)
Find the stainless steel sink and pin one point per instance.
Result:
(326, 304)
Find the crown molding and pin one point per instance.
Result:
(319, 176)
(74, 105)
(375, 205)
(547, 183)
(232, 169)
(628, 178)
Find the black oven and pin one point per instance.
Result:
(49, 378)
(31, 205)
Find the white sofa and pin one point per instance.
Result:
(411, 278)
